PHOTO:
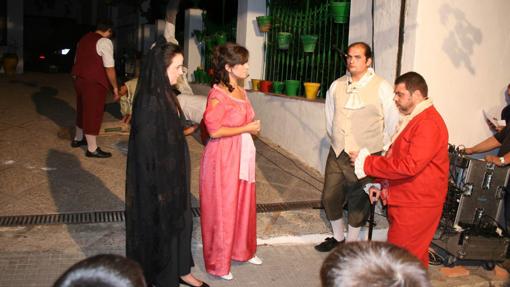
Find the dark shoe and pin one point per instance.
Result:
(187, 284)
(328, 244)
(75, 143)
(98, 153)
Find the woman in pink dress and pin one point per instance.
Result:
(227, 168)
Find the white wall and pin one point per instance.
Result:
(249, 36)
(192, 55)
(462, 49)
(459, 46)
(385, 22)
(298, 126)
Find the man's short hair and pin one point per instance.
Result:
(372, 264)
(104, 25)
(105, 270)
(365, 46)
(413, 82)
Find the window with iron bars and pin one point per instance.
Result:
(305, 17)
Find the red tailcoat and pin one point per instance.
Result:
(416, 167)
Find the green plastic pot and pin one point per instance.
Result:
(210, 43)
(309, 42)
(339, 11)
(201, 76)
(278, 87)
(221, 39)
(264, 23)
(291, 87)
(197, 76)
(283, 40)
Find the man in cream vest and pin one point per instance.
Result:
(360, 112)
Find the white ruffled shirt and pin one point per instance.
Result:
(354, 102)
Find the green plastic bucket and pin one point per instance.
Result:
(221, 39)
(291, 87)
(309, 42)
(264, 23)
(278, 87)
(339, 11)
(283, 40)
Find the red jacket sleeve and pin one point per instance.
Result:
(410, 154)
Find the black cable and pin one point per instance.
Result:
(295, 164)
(373, 33)
(287, 172)
(300, 168)
(434, 258)
(401, 30)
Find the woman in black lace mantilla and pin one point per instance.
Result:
(158, 210)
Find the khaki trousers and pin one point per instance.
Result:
(343, 189)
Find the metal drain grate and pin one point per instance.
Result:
(285, 206)
(119, 216)
(63, 218)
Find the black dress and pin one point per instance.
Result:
(158, 209)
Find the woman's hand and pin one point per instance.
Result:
(253, 127)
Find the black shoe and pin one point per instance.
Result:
(98, 153)
(328, 244)
(187, 284)
(75, 143)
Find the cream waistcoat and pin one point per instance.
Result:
(356, 128)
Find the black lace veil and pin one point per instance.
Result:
(156, 176)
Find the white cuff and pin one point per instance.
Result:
(386, 147)
(360, 163)
(367, 186)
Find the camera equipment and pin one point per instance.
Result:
(471, 230)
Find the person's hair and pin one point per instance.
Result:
(365, 46)
(170, 50)
(413, 82)
(228, 54)
(372, 264)
(104, 25)
(105, 270)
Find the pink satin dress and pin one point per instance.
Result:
(227, 204)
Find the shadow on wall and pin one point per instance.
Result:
(74, 189)
(381, 27)
(461, 39)
(57, 110)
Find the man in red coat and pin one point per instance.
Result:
(93, 73)
(414, 172)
